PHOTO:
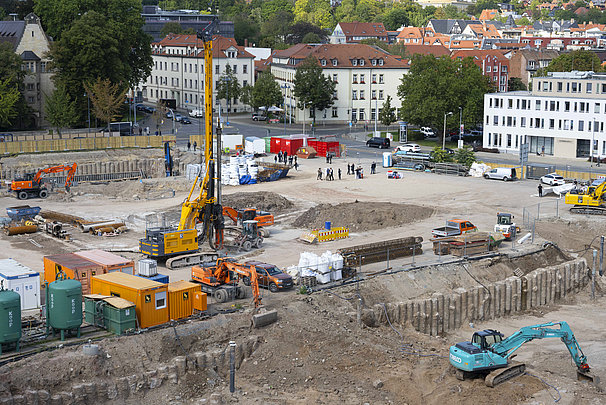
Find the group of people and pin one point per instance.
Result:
(330, 174)
(329, 158)
(282, 157)
(189, 145)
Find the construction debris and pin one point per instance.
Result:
(354, 256)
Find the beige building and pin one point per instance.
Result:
(364, 75)
(31, 43)
(178, 71)
(564, 115)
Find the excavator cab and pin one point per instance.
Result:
(249, 214)
(487, 338)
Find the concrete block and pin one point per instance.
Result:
(264, 319)
(181, 364)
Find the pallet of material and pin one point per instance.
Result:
(354, 256)
(468, 244)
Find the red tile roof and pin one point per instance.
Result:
(361, 29)
(194, 46)
(435, 50)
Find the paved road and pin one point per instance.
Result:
(353, 138)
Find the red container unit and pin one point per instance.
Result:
(289, 146)
(323, 147)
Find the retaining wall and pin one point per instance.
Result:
(444, 312)
(215, 362)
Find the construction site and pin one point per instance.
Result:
(379, 333)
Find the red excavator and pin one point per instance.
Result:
(264, 219)
(31, 185)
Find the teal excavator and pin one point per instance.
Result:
(489, 355)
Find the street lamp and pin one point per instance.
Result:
(593, 141)
(444, 136)
(172, 113)
(460, 123)
(285, 87)
(376, 114)
(88, 109)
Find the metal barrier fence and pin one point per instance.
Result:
(66, 145)
(543, 210)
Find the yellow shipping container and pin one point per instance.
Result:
(150, 297)
(181, 299)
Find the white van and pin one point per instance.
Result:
(502, 173)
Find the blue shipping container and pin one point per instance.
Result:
(160, 278)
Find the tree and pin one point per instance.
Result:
(246, 94)
(299, 30)
(266, 91)
(523, 21)
(388, 113)
(439, 155)
(515, 84)
(171, 27)
(245, 28)
(317, 12)
(228, 87)
(465, 156)
(395, 18)
(9, 96)
(434, 87)
(311, 38)
(581, 60)
(107, 98)
(61, 111)
(312, 88)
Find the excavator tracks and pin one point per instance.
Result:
(582, 209)
(501, 375)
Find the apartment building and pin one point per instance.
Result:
(564, 115)
(178, 71)
(364, 76)
(493, 63)
(352, 32)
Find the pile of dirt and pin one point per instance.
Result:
(261, 200)
(362, 216)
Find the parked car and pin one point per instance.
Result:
(501, 173)
(140, 107)
(149, 110)
(408, 147)
(196, 113)
(270, 277)
(428, 132)
(178, 117)
(381, 143)
(185, 120)
(169, 114)
(259, 117)
(553, 179)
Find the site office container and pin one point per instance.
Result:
(322, 147)
(150, 297)
(22, 280)
(181, 299)
(74, 267)
(109, 261)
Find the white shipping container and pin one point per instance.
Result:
(254, 145)
(22, 280)
(148, 267)
(231, 141)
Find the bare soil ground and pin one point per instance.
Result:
(316, 352)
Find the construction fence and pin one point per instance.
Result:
(567, 173)
(78, 144)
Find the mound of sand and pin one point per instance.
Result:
(272, 202)
(362, 216)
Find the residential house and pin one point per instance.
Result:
(481, 31)
(178, 71)
(563, 116)
(560, 43)
(489, 15)
(493, 63)
(353, 32)
(525, 62)
(450, 27)
(30, 42)
(364, 76)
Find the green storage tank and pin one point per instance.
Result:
(63, 306)
(10, 318)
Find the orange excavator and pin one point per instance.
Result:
(31, 185)
(221, 279)
(264, 219)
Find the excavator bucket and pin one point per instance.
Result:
(587, 376)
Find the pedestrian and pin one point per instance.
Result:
(160, 132)
(372, 168)
(295, 159)
(319, 177)
(348, 169)
(540, 190)
(339, 172)
(195, 145)
(543, 150)
(285, 156)
(332, 174)
(276, 159)
(188, 145)
(327, 158)
(296, 166)
(280, 157)
(328, 174)
(156, 133)
(290, 160)
(140, 131)
(353, 168)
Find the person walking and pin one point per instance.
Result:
(339, 172)
(332, 174)
(348, 169)
(276, 159)
(195, 145)
(140, 131)
(296, 166)
(540, 188)
(188, 146)
(373, 166)
(327, 158)
(319, 177)
(295, 159)
(327, 173)
(285, 157)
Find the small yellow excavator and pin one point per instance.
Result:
(587, 201)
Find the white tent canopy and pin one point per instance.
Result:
(274, 109)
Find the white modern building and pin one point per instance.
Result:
(562, 116)
(364, 75)
(178, 71)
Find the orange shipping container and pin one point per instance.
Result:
(150, 297)
(200, 301)
(73, 266)
(181, 299)
(109, 261)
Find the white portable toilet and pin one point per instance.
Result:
(387, 159)
(22, 280)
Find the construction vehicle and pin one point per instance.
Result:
(453, 227)
(180, 245)
(221, 279)
(247, 237)
(264, 219)
(506, 226)
(490, 355)
(31, 186)
(587, 201)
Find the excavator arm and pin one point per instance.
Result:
(526, 334)
(71, 171)
(249, 272)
